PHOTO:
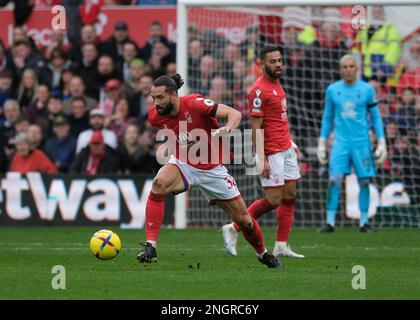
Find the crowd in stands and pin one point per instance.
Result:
(84, 107)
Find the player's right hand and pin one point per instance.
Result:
(266, 169)
(322, 151)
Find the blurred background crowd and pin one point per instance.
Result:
(81, 105)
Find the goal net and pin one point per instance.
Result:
(221, 47)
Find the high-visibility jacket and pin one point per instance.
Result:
(384, 42)
(307, 36)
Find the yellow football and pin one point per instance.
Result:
(105, 244)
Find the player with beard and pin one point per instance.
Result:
(183, 116)
(277, 160)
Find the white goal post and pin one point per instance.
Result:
(181, 201)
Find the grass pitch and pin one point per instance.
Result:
(193, 265)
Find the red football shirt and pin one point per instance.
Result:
(267, 99)
(194, 113)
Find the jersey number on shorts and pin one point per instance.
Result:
(230, 182)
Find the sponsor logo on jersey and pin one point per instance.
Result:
(188, 117)
(275, 92)
(348, 110)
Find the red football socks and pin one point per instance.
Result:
(257, 209)
(155, 211)
(254, 237)
(285, 213)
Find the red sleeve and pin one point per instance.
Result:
(255, 103)
(205, 106)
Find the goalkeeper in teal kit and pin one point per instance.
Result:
(350, 110)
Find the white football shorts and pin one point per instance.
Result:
(215, 184)
(284, 168)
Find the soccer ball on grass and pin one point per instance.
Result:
(105, 244)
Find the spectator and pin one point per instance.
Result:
(96, 158)
(120, 119)
(129, 53)
(38, 109)
(12, 112)
(23, 56)
(88, 36)
(26, 92)
(411, 68)
(29, 159)
(22, 124)
(170, 69)
(213, 44)
(51, 73)
(155, 35)
(77, 90)
(406, 109)
(253, 43)
(137, 155)
(200, 83)
(62, 147)
(54, 107)
(130, 87)
(391, 131)
(35, 136)
(113, 46)
(379, 45)
(6, 82)
(66, 77)
(219, 91)
(195, 52)
(238, 86)
(137, 103)
(112, 90)
(96, 121)
(104, 72)
(79, 117)
(20, 34)
(231, 53)
(57, 41)
(160, 58)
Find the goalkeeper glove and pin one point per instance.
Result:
(322, 151)
(380, 152)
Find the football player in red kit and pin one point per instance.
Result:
(184, 117)
(277, 160)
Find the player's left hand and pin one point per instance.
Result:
(221, 132)
(380, 152)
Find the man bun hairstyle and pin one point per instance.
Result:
(172, 83)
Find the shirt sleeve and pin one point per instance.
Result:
(371, 102)
(206, 106)
(328, 115)
(375, 115)
(255, 103)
